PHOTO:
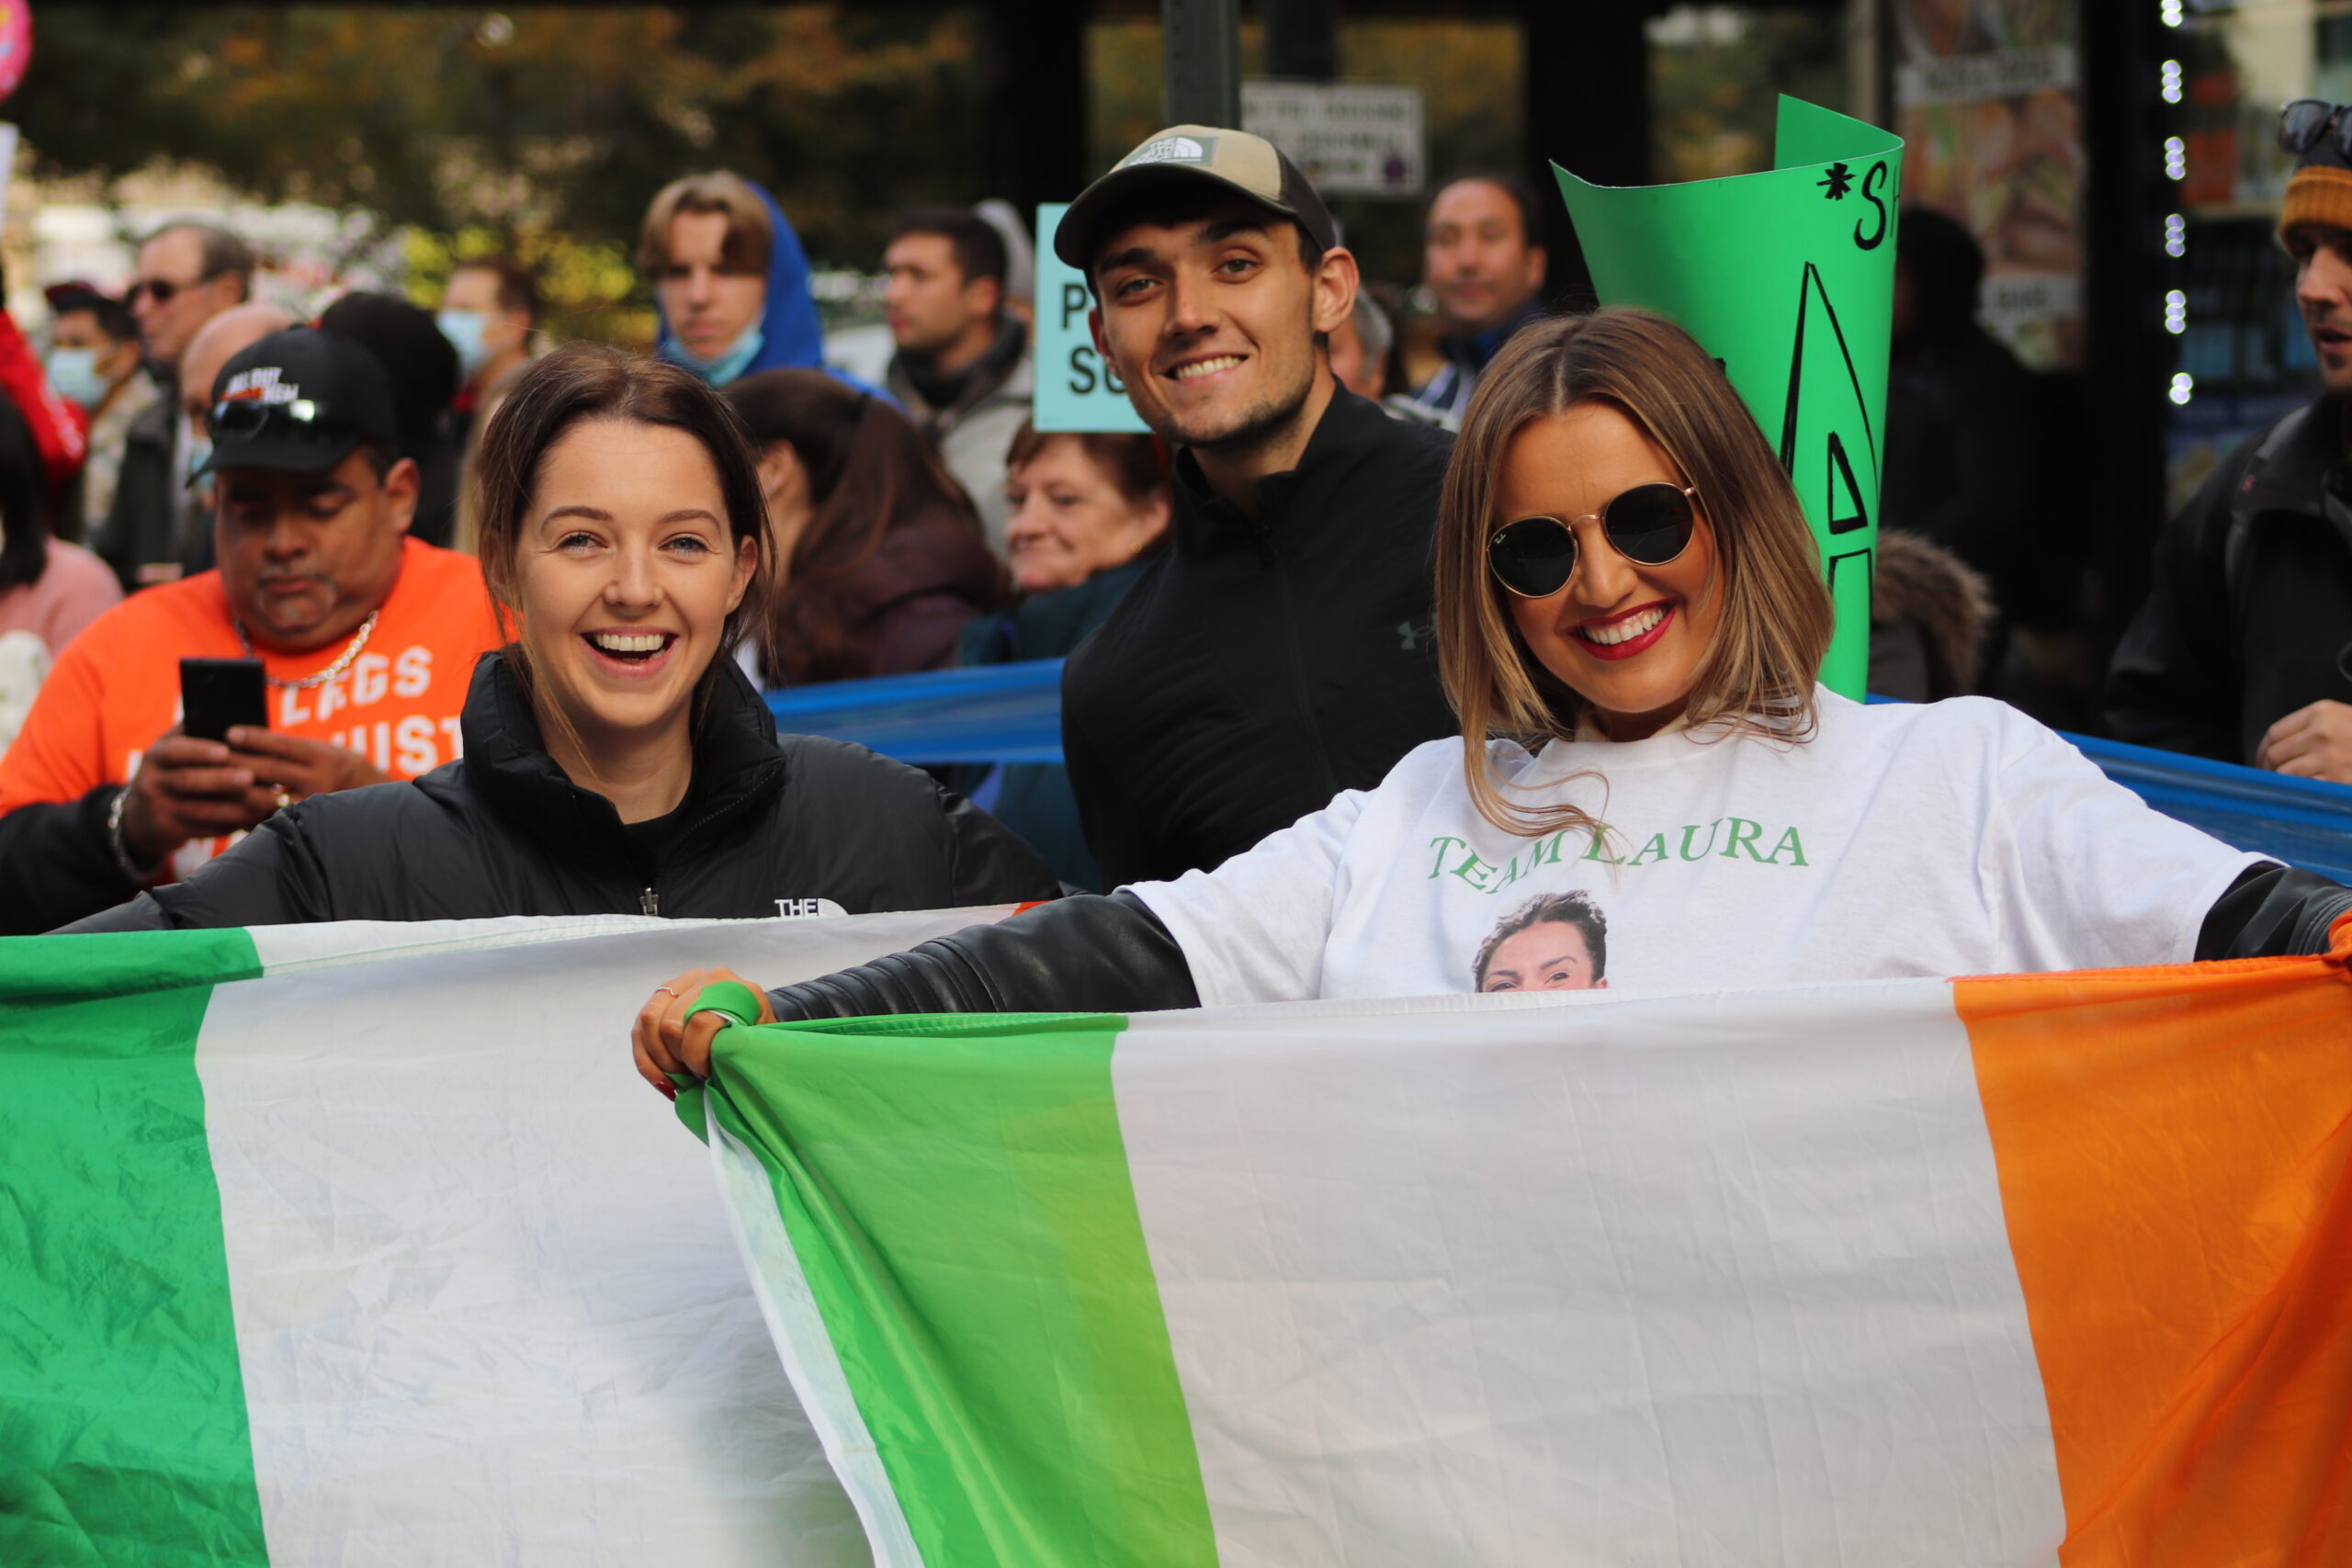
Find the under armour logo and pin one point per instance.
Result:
(1411, 637)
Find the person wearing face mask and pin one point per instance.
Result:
(1632, 621)
(93, 359)
(730, 283)
(490, 313)
(1085, 514)
(616, 760)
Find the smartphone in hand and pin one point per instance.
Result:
(217, 695)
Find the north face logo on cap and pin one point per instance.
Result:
(1169, 150)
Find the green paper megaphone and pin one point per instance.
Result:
(1787, 278)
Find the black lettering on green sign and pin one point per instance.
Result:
(1873, 182)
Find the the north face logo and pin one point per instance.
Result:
(1168, 150)
(807, 908)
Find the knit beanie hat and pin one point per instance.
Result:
(2320, 190)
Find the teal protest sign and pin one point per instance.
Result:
(1076, 391)
(1787, 277)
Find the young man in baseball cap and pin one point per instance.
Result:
(366, 639)
(1282, 650)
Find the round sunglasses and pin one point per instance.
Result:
(1650, 523)
(2305, 122)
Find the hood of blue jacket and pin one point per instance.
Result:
(794, 337)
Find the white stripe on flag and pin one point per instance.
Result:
(1684, 1281)
(809, 1359)
(478, 1271)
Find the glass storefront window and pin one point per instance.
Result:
(2244, 359)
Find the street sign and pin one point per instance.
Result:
(1348, 138)
(1076, 391)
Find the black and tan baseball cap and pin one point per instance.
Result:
(1247, 165)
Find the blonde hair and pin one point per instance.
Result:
(750, 233)
(1756, 675)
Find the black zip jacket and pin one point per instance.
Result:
(1110, 954)
(1263, 664)
(2250, 614)
(767, 828)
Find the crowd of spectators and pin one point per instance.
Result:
(1249, 582)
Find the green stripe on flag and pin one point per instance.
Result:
(123, 1437)
(957, 1193)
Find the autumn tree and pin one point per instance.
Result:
(526, 121)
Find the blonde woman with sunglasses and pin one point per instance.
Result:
(1632, 620)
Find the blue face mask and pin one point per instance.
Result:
(75, 373)
(728, 365)
(464, 330)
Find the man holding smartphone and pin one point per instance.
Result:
(366, 638)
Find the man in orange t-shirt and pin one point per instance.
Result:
(366, 638)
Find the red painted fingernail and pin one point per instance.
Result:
(668, 1091)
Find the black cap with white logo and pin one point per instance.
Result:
(299, 400)
(1247, 165)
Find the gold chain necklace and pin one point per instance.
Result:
(342, 661)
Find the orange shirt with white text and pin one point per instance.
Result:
(117, 687)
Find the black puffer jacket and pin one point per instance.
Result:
(2250, 614)
(503, 832)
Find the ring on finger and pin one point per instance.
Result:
(666, 991)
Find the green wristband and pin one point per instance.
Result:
(731, 999)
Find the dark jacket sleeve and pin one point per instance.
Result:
(269, 877)
(137, 530)
(2272, 911)
(1089, 954)
(2176, 680)
(55, 865)
(991, 864)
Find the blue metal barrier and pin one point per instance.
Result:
(1011, 713)
(991, 713)
(2305, 822)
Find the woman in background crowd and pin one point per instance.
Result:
(1085, 515)
(881, 557)
(48, 590)
(1631, 623)
(616, 760)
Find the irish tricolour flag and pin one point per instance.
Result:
(364, 1244)
(355, 1245)
(1979, 1272)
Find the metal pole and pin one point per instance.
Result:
(1302, 38)
(1201, 48)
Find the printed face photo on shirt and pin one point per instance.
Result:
(1554, 942)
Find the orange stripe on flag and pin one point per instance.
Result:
(2174, 1148)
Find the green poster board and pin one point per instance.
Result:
(1787, 277)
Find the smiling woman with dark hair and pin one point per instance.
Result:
(616, 762)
